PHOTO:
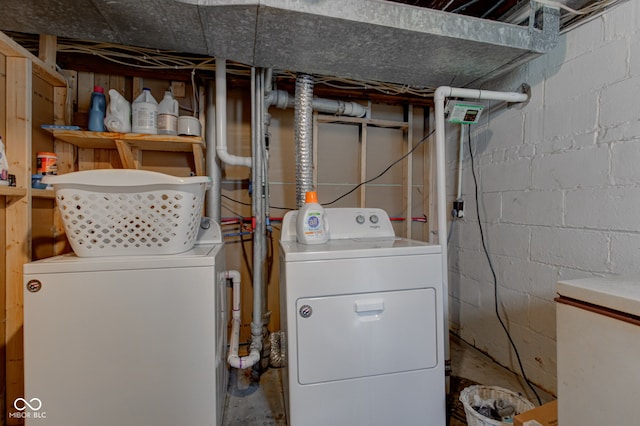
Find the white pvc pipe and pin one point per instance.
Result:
(460, 156)
(221, 118)
(439, 98)
(213, 195)
(233, 358)
(331, 106)
(283, 100)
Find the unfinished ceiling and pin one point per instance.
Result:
(404, 42)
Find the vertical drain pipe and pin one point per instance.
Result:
(259, 210)
(212, 163)
(264, 121)
(303, 136)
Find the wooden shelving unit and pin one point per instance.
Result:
(129, 145)
(32, 88)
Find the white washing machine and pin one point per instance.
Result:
(127, 340)
(363, 322)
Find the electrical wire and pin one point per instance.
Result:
(493, 273)
(444, 9)
(593, 7)
(155, 59)
(245, 256)
(574, 23)
(420, 142)
(464, 6)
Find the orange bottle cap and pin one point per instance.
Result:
(311, 197)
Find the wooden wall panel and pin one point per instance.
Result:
(18, 212)
(3, 238)
(42, 112)
(3, 95)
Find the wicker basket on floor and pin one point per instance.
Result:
(490, 392)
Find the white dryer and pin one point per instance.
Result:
(363, 322)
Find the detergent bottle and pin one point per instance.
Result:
(311, 223)
(97, 109)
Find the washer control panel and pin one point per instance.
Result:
(346, 223)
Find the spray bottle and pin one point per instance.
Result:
(311, 223)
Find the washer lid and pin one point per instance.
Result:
(355, 248)
(199, 255)
(619, 292)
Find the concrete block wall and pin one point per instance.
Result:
(559, 191)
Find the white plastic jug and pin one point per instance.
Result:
(168, 115)
(144, 113)
(118, 117)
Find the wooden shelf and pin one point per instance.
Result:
(43, 193)
(107, 140)
(129, 144)
(12, 191)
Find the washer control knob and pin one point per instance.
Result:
(373, 218)
(305, 311)
(360, 219)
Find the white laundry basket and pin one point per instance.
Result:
(490, 393)
(116, 212)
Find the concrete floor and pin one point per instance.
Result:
(253, 404)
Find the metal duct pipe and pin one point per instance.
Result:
(277, 357)
(283, 100)
(212, 164)
(303, 123)
(221, 118)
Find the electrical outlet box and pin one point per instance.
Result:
(179, 90)
(463, 112)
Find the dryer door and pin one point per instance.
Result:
(358, 335)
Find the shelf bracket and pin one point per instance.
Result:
(130, 158)
(198, 159)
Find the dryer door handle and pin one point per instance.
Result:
(369, 306)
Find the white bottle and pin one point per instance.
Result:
(4, 166)
(311, 223)
(144, 113)
(168, 115)
(118, 117)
